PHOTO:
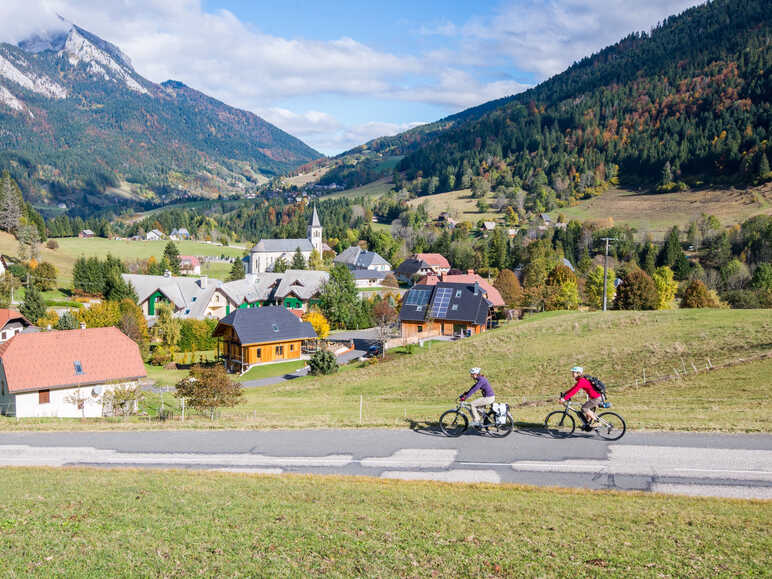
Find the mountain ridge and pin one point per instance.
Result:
(79, 123)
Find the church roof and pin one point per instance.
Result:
(315, 219)
(282, 245)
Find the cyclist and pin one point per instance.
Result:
(594, 397)
(480, 383)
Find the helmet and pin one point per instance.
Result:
(577, 369)
(475, 370)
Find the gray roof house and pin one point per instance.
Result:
(302, 285)
(357, 258)
(190, 296)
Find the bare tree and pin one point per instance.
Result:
(385, 316)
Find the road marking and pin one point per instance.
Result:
(727, 491)
(413, 458)
(659, 461)
(456, 476)
(22, 455)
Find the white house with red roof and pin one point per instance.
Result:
(65, 373)
(190, 265)
(422, 264)
(12, 323)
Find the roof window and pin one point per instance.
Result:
(78, 367)
(275, 327)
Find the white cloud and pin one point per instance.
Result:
(547, 36)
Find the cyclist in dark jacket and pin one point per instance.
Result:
(480, 383)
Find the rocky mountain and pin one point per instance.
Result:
(79, 125)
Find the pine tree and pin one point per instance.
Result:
(237, 271)
(763, 171)
(298, 261)
(172, 255)
(280, 265)
(315, 261)
(33, 308)
(11, 203)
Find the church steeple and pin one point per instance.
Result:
(315, 232)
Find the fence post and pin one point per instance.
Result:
(183, 410)
(644, 375)
(360, 408)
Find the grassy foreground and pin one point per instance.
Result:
(176, 523)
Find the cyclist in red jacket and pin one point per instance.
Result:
(594, 397)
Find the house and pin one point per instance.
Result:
(444, 309)
(564, 261)
(355, 258)
(546, 219)
(268, 251)
(364, 278)
(12, 323)
(154, 235)
(3, 265)
(422, 264)
(190, 265)
(179, 234)
(80, 366)
(470, 276)
(190, 297)
(86, 233)
(252, 336)
(489, 225)
(294, 289)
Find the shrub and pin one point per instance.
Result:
(323, 362)
(208, 388)
(160, 356)
(52, 244)
(698, 296)
(637, 292)
(743, 299)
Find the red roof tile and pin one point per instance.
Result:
(47, 359)
(9, 316)
(493, 294)
(433, 259)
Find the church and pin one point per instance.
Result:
(268, 251)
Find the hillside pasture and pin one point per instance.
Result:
(375, 189)
(70, 248)
(459, 204)
(656, 214)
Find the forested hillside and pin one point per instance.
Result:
(77, 122)
(687, 104)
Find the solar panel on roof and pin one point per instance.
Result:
(418, 297)
(441, 302)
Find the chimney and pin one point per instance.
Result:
(470, 271)
(442, 276)
(203, 281)
(476, 288)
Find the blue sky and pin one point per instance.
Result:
(337, 74)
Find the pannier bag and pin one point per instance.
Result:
(500, 409)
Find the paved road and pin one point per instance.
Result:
(679, 463)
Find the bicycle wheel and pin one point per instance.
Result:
(612, 426)
(499, 430)
(453, 423)
(559, 424)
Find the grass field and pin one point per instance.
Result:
(270, 370)
(92, 523)
(527, 362)
(459, 204)
(70, 248)
(657, 214)
(374, 189)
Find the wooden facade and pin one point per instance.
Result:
(419, 330)
(240, 356)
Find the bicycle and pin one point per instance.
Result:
(454, 422)
(561, 424)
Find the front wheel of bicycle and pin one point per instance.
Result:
(500, 430)
(611, 427)
(453, 423)
(559, 424)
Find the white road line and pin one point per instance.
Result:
(671, 461)
(413, 458)
(459, 476)
(727, 491)
(21, 455)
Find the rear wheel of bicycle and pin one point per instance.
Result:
(499, 430)
(453, 423)
(612, 426)
(559, 424)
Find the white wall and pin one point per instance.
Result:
(27, 405)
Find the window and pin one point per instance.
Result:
(292, 347)
(194, 299)
(454, 307)
(420, 329)
(44, 396)
(275, 327)
(3, 335)
(78, 367)
(259, 353)
(419, 308)
(279, 350)
(458, 293)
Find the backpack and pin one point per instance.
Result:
(599, 386)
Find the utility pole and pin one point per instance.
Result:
(605, 270)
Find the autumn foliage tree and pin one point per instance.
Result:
(509, 287)
(697, 295)
(637, 292)
(318, 322)
(209, 388)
